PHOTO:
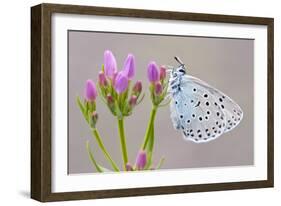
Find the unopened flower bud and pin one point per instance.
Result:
(129, 66)
(109, 99)
(141, 160)
(133, 101)
(102, 79)
(153, 72)
(162, 73)
(158, 88)
(129, 167)
(90, 91)
(121, 83)
(110, 65)
(137, 88)
(94, 119)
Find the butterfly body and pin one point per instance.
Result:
(201, 112)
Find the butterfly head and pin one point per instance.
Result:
(178, 71)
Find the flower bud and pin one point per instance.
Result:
(152, 72)
(90, 91)
(137, 88)
(141, 160)
(110, 65)
(158, 88)
(162, 73)
(129, 66)
(114, 77)
(133, 101)
(109, 99)
(94, 119)
(129, 167)
(121, 82)
(102, 79)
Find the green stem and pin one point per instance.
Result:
(149, 126)
(106, 154)
(123, 141)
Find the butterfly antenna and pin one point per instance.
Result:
(178, 60)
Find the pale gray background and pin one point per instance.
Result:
(226, 64)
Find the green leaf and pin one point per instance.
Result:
(98, 138)
(160, 163)
(91, 156)
(82, 108)
(105, 169)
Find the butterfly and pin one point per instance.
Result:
(201, 112)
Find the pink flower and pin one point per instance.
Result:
(162, 72)
(129, 167)
(153, 72)
(121, 82)
(141, 160)
(90, 91)
(137, 87)
(133, 101)
(158, 88)
(129, 66)
(102, 79)
(110, 65)
(109, 99)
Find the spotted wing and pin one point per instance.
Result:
(202, 112)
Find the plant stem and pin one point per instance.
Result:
(149, 126)
(101, 145)
(123, 141)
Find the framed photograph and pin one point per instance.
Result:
(130, 102)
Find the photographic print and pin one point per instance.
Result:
(136, 102)
(129, 102)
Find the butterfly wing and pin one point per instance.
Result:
(202, 112)
(231, 109)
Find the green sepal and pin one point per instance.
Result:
(118, 111)
(140, 99)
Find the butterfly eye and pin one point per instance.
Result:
(182, 71)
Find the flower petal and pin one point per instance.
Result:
(162, 72)
(121, 82)
(153, 72)
(158, 88)
(129, 66)
(90, 91)
(141, 160)
(110, 65)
